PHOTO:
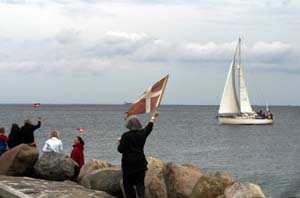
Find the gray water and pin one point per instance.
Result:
(266, 155)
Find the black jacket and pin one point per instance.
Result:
(13, 139)
(26, 133)
(132, 148)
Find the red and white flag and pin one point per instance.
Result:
(81, 130)
(150, 99)
(36, 105)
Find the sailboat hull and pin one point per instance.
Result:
(244, 121)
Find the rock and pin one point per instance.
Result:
(180, 180)
(19, 161)
(55, 166)
(21, 187)
(106, 179)
(154, 187)
(155, 167)
(192, 166)
(246, 190)
(211, 185)
(91, 167)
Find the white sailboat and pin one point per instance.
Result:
(233, 110)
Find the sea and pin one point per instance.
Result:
(267, 155)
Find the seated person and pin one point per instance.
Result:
(53, 144)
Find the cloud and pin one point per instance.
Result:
(67, 36)
(207, 52)
(12, 1)
(68, 51)
(273, 52)
(150, 49)
(121, 43)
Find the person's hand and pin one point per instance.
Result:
(39, 118)
(155, 114)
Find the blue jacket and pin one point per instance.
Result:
(3, 142)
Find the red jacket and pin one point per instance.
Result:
(77, 154)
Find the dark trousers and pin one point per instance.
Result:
(137, 180)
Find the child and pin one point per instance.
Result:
(3, 141)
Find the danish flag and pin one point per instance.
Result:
(150, 100)
(81, 130)
(36, 105)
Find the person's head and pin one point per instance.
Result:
(78, 140)
(55, 134)
(2, 130)
(27, 121)
(134, 124)
(15, 127)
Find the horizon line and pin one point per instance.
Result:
(122, 104)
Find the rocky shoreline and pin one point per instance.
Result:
(25, 187)
(56, 175)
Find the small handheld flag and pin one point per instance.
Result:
(36, 105)
(81, 130)
(150, 100)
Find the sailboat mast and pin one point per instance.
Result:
(239, 72)
(240, 59)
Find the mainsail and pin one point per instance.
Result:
(229, 102)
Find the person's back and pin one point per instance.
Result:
(13, 136)
(3, 141)
(136, 140)
(26, 131)
(132, 148)
(53, 144)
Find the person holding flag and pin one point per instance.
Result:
(26, 133)
(132, 142)
(134, 163)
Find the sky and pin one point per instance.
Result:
(111, 51)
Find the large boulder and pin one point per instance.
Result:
(19, 161)
(192, 166)
(156, 170)
(56, 166)
(155, 167)
(106, 179)
(244, 190)
(180, 180)
(154, 188)
(90, 167)
(211, 185)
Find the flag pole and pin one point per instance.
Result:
(162, 93)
